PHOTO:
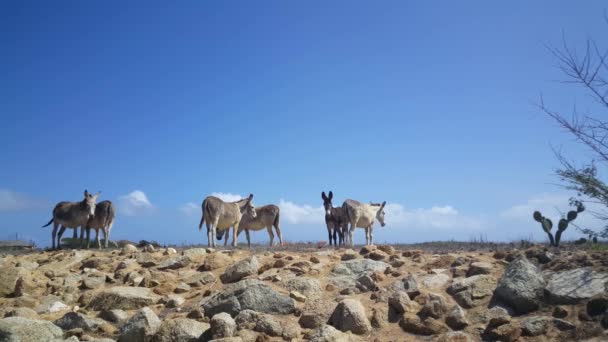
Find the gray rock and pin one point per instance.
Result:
(174, 301)
(267, 324)
(22, 312)
(93, 282)
(327, 333)
(349, 315)
(51, 307)
(19, 329)
(479, 268)
(306, 286)
(470, 292)
(359, 267)
(366, 283)
(455, 336)
(241, 269)
(521, 286)
(399, 301)
(457, 318)
(563, 325)
(75, 320)
(434, 307)
(174, 263)
(180, 329)
(535, 325)
(8, 279)
(311, 320)
(123, 297)
(222, 325)
(147, 259)
(114, 316)
(194, 252)
(435, 281)
(574, 286)
(141, 327)
(200, 278)
(247, 294)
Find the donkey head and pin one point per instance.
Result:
(327, 202)
(90, 202)
(380, 214)
(248, 207)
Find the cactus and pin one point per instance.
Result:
(562, 225)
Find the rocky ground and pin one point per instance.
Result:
(368, 294)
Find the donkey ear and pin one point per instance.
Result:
(86, 193)
(383, 204)
(323, 196)
(250, 197)
(331, 195)
(98, 193)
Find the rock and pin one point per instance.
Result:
(222, 325)
(377, 255)
(22, 312)
(470, 292)
(456, 318)
(93, 282)
(123, 297)
(410, 286)
(170, 251)
(114, 316)
(435, 281)
(174, 263)
(200, 278)
(8, 280)
(349, 254)
(506, 332)
(267, 324)
(366, 283)
(231, 339)
(52, 307)
(247, 294)
(399, 301)
(560, 312)
(597, 306)
(297, 296)
(359, 267)
(388, 249)
(415, 325)
(563, 325)
(141, 327)
(149, 248)
(19, 329)
(311, 320)
(434, 307)
(349, 315)
(194, 252)
(306, 286)
(128, 249)
(241, 269)
(75, 320)
(28, 265)
(479, 268)
(576, 285)
(182, 288)
(174, 301)
(180, 329)
(147, 259)
(327, 333)
(215, 261)
(535, 325)
(521, 286)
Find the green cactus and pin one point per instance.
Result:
(562, 225)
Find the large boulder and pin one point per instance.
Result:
(349, 315)
(576, 285)
(180, 330)
(241, 269)
(247, 294)
(141, 327)
(19, 329)
(222, 325)
(306, 286)
(470, 292)
(124, 298)
(521, 286)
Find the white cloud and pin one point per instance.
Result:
(13, 201)
(436, 217)
(135, 203)
(190, 208)
(226, 196)
(297, 214)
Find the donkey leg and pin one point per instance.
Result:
(106, 234)
(234, 235)
(61, 230)
(209, 232)
(226, 236)
(88, 237)
(278, 229)
(248, 238)
(97, 238)
(53, 235)
(371, 235)
(329, 232)
(351, 232)
(270, 235)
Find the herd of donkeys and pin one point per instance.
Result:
(219, 216)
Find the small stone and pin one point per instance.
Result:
(222, 325)
(297, 296)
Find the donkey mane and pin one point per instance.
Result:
(375, 204)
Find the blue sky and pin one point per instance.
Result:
(429, 106)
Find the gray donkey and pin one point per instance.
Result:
(362, 215)
(267, 216)
(335, 219)
(103, 220)
(72, 215)
(220, 216)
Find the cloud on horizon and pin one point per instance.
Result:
(135, 203)
(190, 209)
(15, 201)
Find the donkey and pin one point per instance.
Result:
(362, 216)
(266, 217)
(72, 215)
(220, 216)
(103, 219)
(335, 219)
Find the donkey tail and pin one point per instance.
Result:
(48, 224)
(200, 225)
(110, 216)
(276, 220)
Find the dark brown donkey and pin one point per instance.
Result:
(335, 219)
